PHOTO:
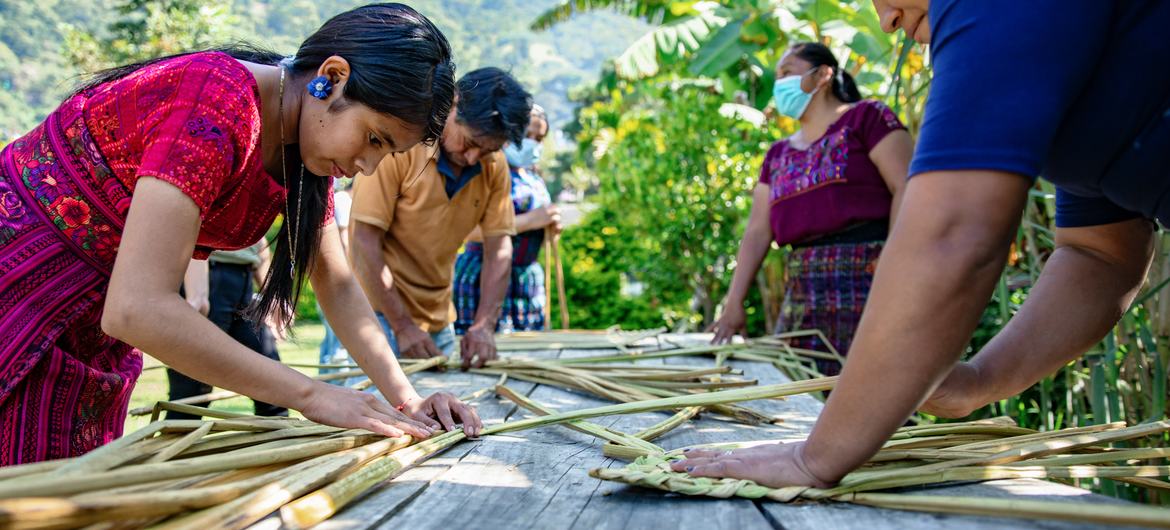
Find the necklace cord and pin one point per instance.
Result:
(289, 230)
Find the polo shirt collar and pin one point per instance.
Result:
(452, 183)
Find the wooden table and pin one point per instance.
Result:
(539, 478)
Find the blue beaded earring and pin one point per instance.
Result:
(320, 87)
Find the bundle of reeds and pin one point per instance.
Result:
(232, 471)
(630, 383)
(577, 339)
(794, 363)
(939, 454)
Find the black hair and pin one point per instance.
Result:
(492, 103)
(400, 65)
(817, 54)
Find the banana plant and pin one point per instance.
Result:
(739, 41)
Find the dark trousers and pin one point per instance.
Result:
(230, 292)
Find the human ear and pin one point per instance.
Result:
(337, 70)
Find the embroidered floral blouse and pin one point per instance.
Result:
(194, 122)
(832, 184)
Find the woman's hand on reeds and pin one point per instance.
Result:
(732, 321)
(960, 394)
(772, 465)
(345, 407)
(445, 408)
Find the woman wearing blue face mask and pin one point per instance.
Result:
(523, 308)
(831, 191)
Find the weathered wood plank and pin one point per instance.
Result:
(539, 479)
(385, 500)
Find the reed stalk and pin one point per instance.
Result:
(236, 424)
(1147, 453)
(655, 354)
(328, 500)
(671, 403)
(34, 468)
(572, 339)
(64, 512)
(1035, 449)
(657, 430)
(592, 429)
(110, 455)
(220, 443)
(160, 406)
(180, 445)
(1015, 441)
(313, 474)
(915, 476)
(1132, 514)
(73, 483)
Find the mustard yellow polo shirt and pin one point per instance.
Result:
(424, 229)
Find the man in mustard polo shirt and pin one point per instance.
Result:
(412, 215)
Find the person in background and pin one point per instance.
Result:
(1073, 91)
(831, 190)
(412, 213)
(536, 215)
(221, 288)
(331, 351)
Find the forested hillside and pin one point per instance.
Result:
(45, 44)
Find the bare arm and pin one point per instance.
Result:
(374, 275)
(757, 238)
(892, 157)
(197, 285)
(343, 232)
(478, 344)
(1106, 264)
(375, 278)
(260, 271)
(155, 250)
(933, 280)
(346, 306)
(494, 279)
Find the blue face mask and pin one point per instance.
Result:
(790, 100)
(526, 155)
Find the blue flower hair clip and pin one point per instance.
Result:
(320, 87)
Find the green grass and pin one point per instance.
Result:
(152, 386)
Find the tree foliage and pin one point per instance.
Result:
(45, 45)
(739, 41)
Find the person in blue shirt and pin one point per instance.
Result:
(1073, 91)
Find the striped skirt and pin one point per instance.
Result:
(524, 301)
(826, 289)
(64, 384)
